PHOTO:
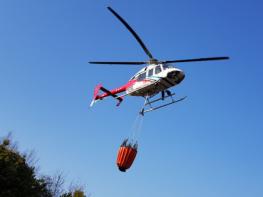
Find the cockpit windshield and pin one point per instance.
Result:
(165, 66)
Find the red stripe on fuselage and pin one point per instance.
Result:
(117, 90)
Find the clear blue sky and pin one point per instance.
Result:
(210, 145)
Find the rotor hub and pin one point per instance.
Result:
(153, 61)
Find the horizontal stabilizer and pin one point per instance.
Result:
(107, 92)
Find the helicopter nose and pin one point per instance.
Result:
(178, 75)
(172, 74)
(181, 76)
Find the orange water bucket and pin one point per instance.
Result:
(126, 156)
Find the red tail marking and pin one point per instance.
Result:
(112, 93)
(96, 91)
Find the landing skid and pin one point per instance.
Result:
(150, 108)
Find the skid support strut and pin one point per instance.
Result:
(147, 107)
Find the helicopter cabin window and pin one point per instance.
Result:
(141, 76)
(158, 69)
(150, 73)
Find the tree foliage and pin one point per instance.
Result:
(18, 177)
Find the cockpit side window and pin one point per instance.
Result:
(150, 73)
(158, 69)
(142, 76)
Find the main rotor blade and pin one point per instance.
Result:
(119, 63)
(132, 31)
(197, 59)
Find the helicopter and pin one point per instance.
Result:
(156, 77)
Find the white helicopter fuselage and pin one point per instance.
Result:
(153, 79)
